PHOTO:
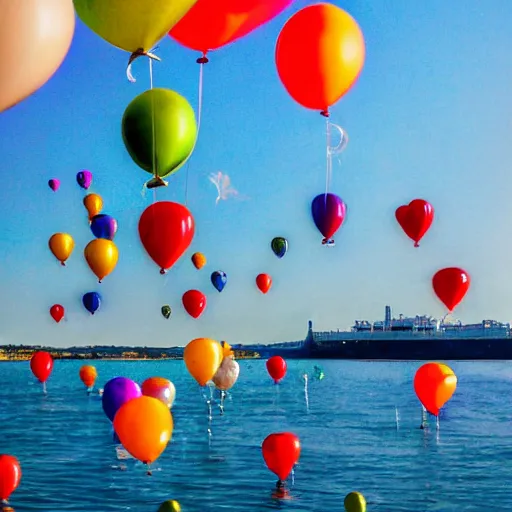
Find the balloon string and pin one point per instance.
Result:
(328, 171)
(153, 149)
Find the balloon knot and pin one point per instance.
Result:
(416, 244)
(99, 281)
(203, 59)
(63, 263)
(324, 241)
(325, 113)
(134, 56)
(163, 272)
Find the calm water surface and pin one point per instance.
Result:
(349, 437)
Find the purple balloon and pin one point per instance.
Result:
(328, 212)
(84, 179)
(54, 184)
(116, 393)
(104, 226)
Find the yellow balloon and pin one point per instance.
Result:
(93, 204)
(203, 357)
(102, 256)
(35, 36)
(355, 502)
(61, 245)
(132, 25)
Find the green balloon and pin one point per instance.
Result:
(279, 246)
(355, 502)
(169, 506)
(166, 311)
(170, 117)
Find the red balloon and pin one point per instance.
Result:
(166, 230)
(276, 368)
(281, 452)
(451, 285)
(41, 365)
(10, 476)
(263, 282)
(57, 312)
(194, 302)
(415, 219)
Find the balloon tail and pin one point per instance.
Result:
(155, 181)
(416, 244)
(163, 271)
(397, 418)
(325, 113)
(143, 191)
(63, 263)
(293, 477)
(423, 418)
(221, 405)
(306, 394)
(99, 281)
(149, 472)
(437, 422)
(134, 56)
(44, 388)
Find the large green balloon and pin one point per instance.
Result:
(355, 502)
(159, 131)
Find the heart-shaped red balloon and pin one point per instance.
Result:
(41, 365)
(10, 476)
(194, 303)
(166, 230)
(57, 312)
(451, 285)
(211, 24)
(415, 219)
(281, 451)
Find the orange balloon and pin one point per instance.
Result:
(319, 55)
(227, 351)
(434, 384)
(102, 256)
(93, 204)
(88, 375)
(203, 357)
(61, 245)
(199, 260)
(144, 427)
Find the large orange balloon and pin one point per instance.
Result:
(319, 55)
(93, 204)
(144, 427)
(102, 256)
(35, 36)
(61, 245)
(88, 375)
(203, 357)
(434, 384)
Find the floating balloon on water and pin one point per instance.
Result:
(198, 260)
(263, 282)
(276, 368)
(166, 311)
(354, 502)
(91, 301)
(328, 211)
(169, 506)
(415, 219)
(227, 374)
(93, 204)
(104, 226)
(451, 285)
(10, 476)
(194, 303)
(281, 451)
(61, 245)
(57, 312)
(279, 246)
(54, 184)
(88, 375)
(434, 385)
(116, 392)
(203, 357)
(101, 256)
(219, 280)
(41, 365)
(161, 389)
(166, 230)
(144, 427)
(84, 179)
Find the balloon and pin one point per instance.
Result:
(281, 452)
(88, 375)
(194, 303)
(91, 301)
(166, 311)
(104, 226)
(169, 506)
(117, 392)
(132, 25)
(227, 374)
(328, 212)
(415, 219)
(159, 131)
(219, 280)
(10, 475)
(93, 204)
(54, 184)
(227, 351)
(41, 364)
(161, 389)
(30, 51)
(263, 282)
(102, 256)
(434, 385)
(57, 312)
(319, 55)
(355, 502)
(203, 357)
(198, 260)
(144, 426)
(208, 25)
(276, 368)
(84, 179)
(166, 230)
(279, 246)
(451, 285)
(61, 245)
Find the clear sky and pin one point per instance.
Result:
(430, 117)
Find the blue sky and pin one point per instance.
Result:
(430, 117)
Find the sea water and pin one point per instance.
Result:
(352, 439)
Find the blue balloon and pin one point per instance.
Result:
(92, 302)
(117, 392)
(219, 280)
(104, 226)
